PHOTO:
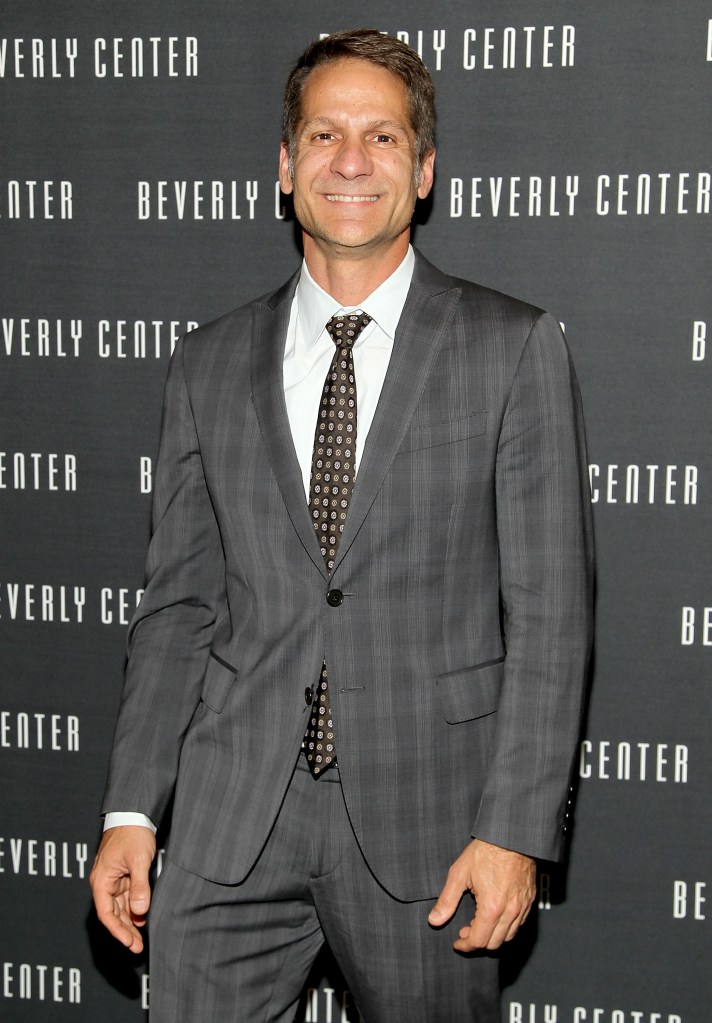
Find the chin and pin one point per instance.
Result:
(339, 235)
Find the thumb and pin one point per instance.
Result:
(139, 895)
(447, 903)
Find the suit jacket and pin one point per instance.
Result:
(458, 654)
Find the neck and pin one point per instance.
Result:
(349, 276)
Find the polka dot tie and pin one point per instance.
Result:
(332, 480)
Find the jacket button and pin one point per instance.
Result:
(308, 696)
(334, 598)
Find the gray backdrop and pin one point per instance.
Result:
(138, 197)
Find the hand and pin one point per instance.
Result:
(119, 881)
(503, 883)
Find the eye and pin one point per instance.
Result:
(323, 136)
(383, 138)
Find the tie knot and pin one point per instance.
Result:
(345, 328)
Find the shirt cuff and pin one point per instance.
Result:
(117, 819)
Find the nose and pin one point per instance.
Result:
(351, 159)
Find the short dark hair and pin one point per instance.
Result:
(383, 51)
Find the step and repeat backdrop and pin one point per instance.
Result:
(138, 198)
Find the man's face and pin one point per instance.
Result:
(355, 178)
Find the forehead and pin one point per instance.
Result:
(354, 88)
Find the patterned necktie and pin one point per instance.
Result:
(332, 480)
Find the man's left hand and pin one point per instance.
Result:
(503, 883)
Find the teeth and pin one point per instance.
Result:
(352, 198)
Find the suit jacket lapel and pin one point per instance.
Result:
(270, 323)
(427, 315)
(424, 323)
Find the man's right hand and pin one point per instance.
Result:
(119, 881)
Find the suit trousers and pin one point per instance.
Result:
(242, 953)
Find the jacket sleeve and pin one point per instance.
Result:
(170, 634)
(546, 585)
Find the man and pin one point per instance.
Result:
(357, 695)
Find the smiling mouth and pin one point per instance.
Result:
(352, 198)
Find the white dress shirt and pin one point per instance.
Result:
(308, 352)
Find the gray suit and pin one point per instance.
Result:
(457, 654)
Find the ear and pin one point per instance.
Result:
(285, 178)
(427, 171)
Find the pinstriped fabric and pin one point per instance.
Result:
(461, 648)
(241, 954)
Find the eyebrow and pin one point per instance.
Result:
(322, 121)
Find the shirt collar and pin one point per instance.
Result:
(385, 305)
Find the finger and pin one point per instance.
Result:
(492, 925)
(518, 922)
(514, 929)
(501, 930)
(134, 941)
(477, 935)
(130, 924)
(506, 926)
(115, 919)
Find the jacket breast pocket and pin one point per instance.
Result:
(446, 431)
(470, 693)
(219, 679)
